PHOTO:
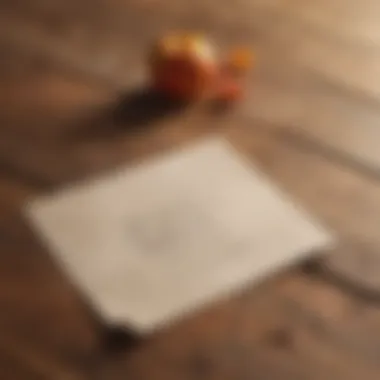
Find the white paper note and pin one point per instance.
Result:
(149, 243)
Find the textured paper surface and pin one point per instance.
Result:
(149, 243)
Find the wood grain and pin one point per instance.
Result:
(69, 109)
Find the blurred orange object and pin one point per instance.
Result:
(186, 67)
(239, 60)
(228, 90)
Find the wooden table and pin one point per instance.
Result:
(68, 72)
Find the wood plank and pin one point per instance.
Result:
(42, 161)
(268, 334)
(320, 318)
(346, 124)
(314, 31)
(310, 64)
(316, 88)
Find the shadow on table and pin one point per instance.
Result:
(141, 108)
(119, 338)
(135, 112)
(131, 113)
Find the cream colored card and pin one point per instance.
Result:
(149, 243)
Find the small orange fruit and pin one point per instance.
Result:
(183, 66)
